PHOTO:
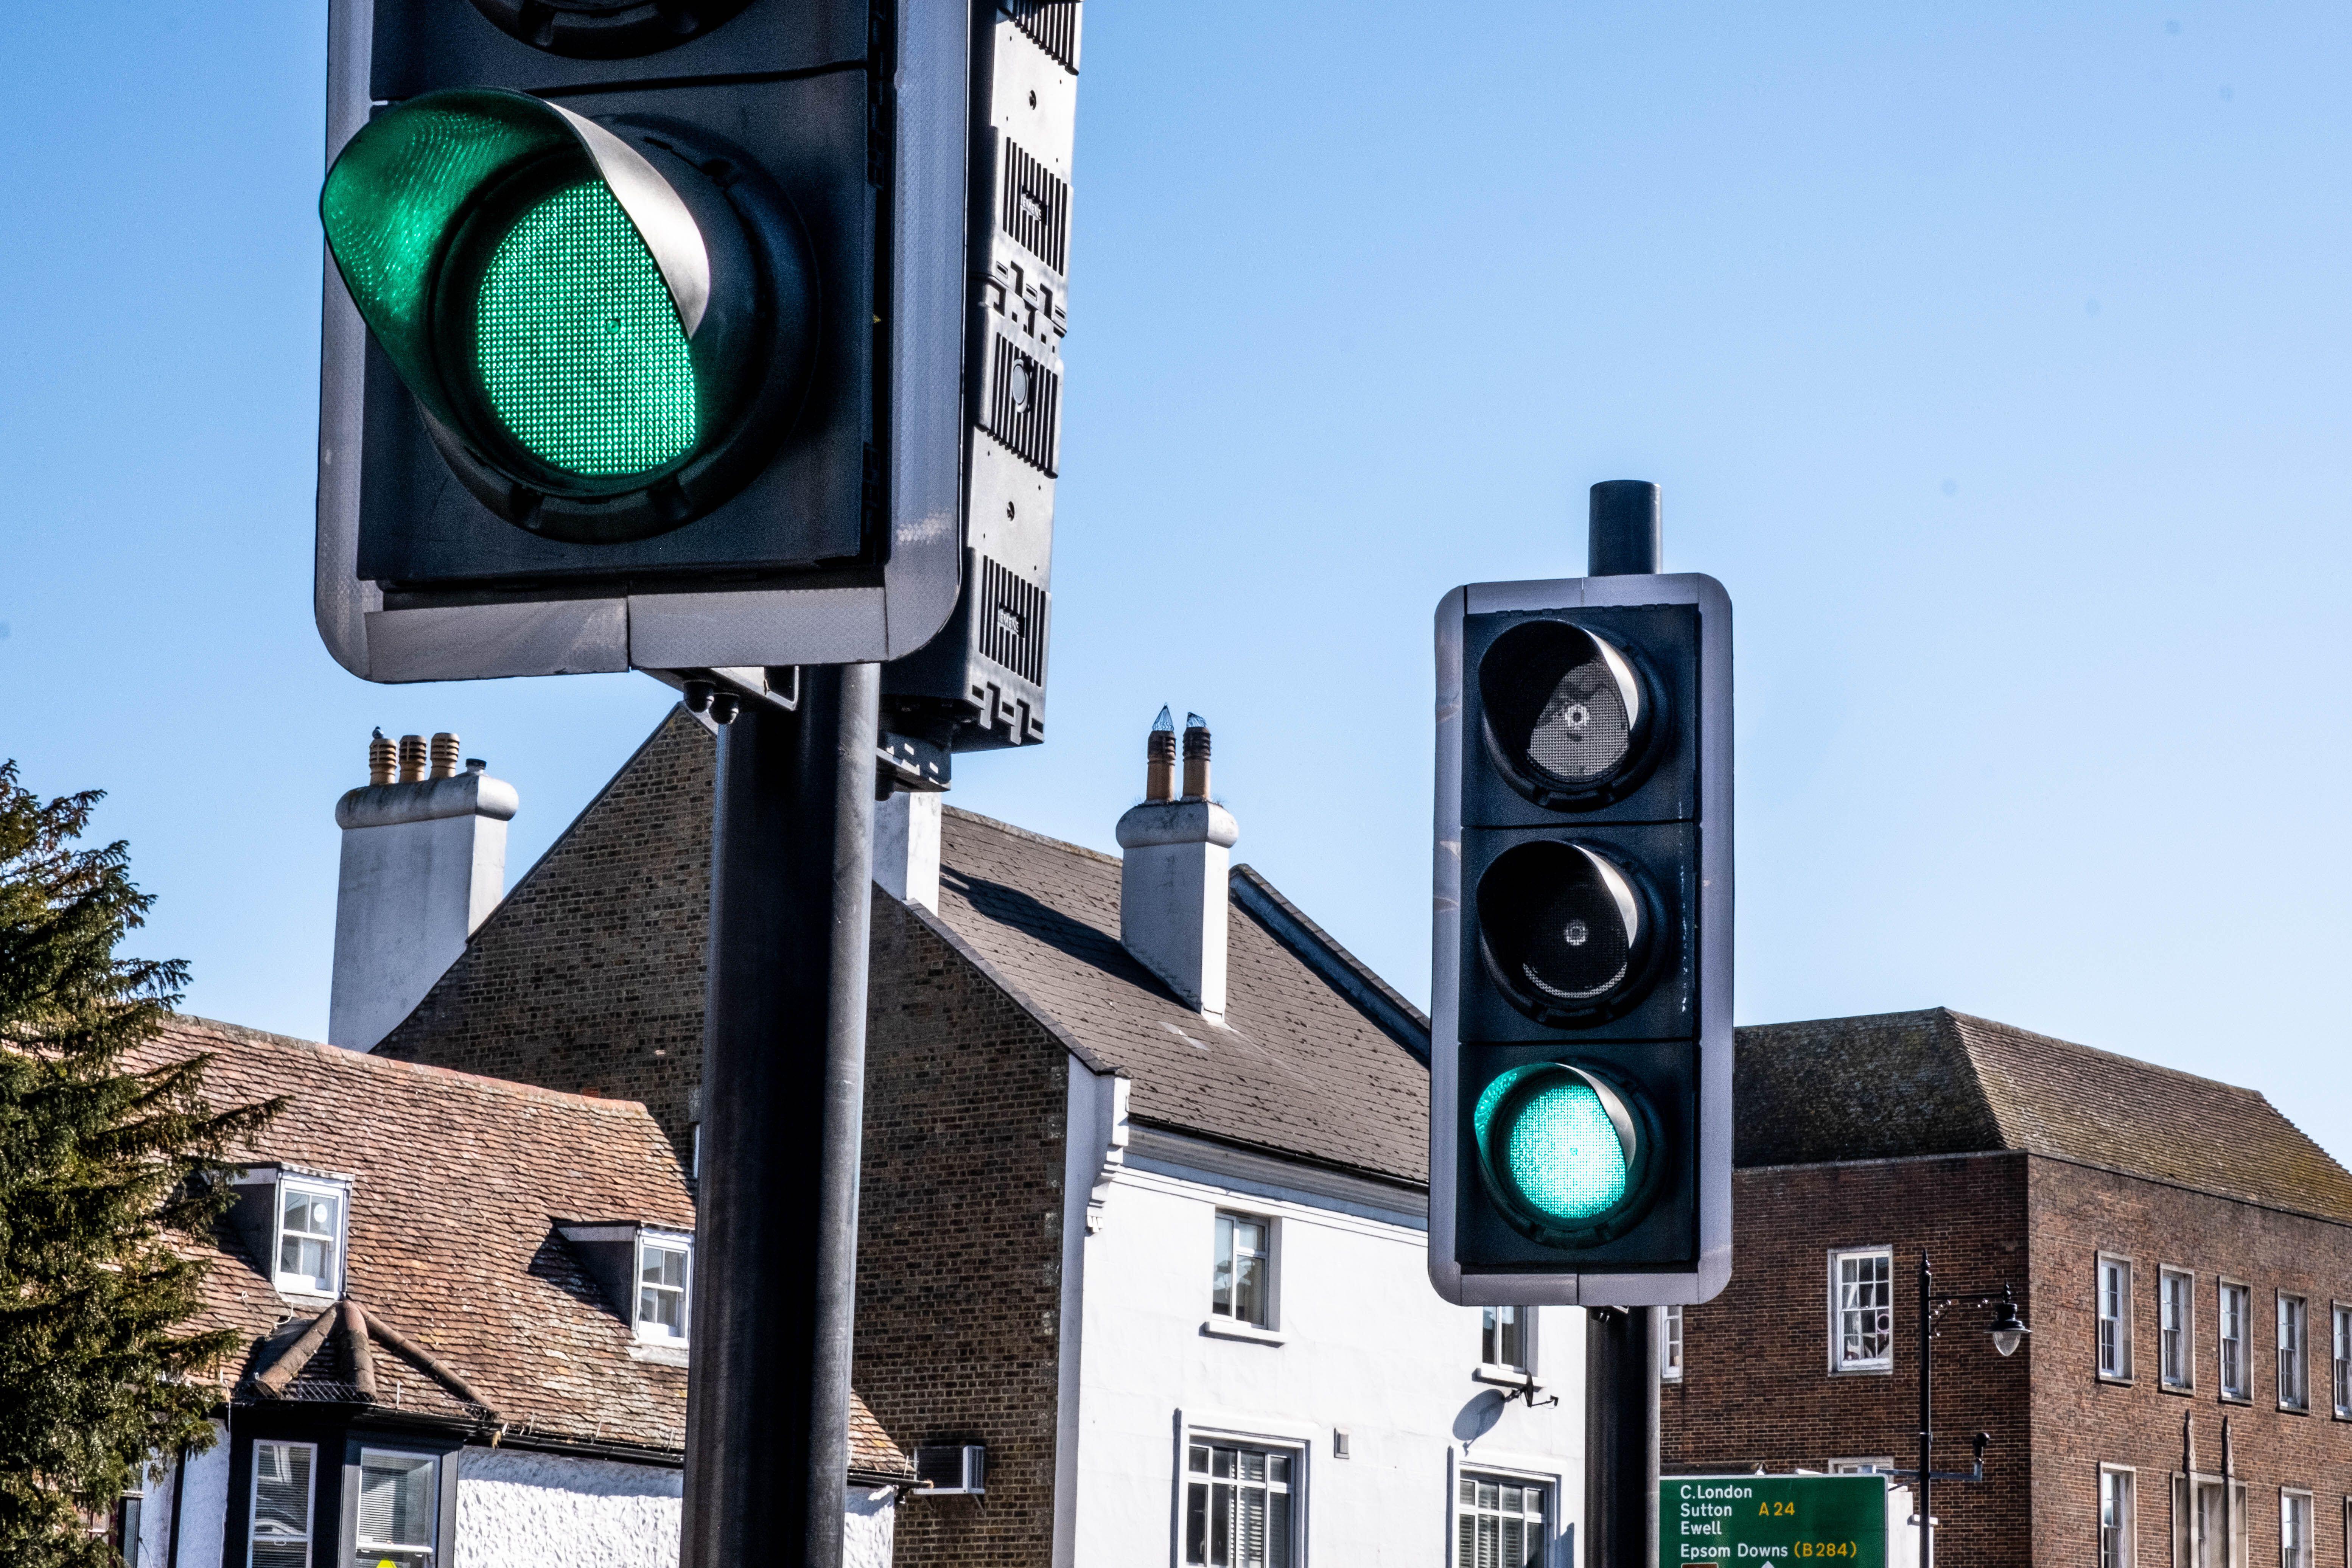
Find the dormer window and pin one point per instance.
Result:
(664, 1274)
(310, 1248)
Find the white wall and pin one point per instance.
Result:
(518, 1510)
(1367, 1345)
(203, 1514)
(866, 1513)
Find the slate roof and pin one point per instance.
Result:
(1297, 1068)
(472, 1304)
(1940, 1082)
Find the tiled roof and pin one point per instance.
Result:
(454, 1256)
(1296, 1069)
(1940, 1082)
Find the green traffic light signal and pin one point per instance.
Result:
(1569, 1158)
(608, 324)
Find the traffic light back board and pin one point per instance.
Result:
(1581, 1074)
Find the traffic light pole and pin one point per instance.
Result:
(767, 1446)
(1621, 1343)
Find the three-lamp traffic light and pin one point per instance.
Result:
(705, 336)
(1582, 1043)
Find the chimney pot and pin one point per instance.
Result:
(444, 756)
(1159, 759)
(384, 760)
(1196, 757)
(414, 761)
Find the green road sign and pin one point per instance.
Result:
(1772, 1520)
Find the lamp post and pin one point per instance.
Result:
(2008, 1331)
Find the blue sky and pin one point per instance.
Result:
(1994, 356)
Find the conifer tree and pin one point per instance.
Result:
(101, 1164)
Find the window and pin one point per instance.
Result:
(1503, 1338)
(2294, 1353)
(2343, 1379)
(665, 1272)
(279, 1535)
(1670, 1348)
(2237, 1380)
(2115, 1521)
(2115, 1317)
(1861, 1309)
(400, 1510)
(310, 1238)
(1882, 1466)
(2294, 1529)
(1237, 1506)
(125, 1532)
(1245, 1269)
(1499, 1523)
(2176, 1302)
(2197, 1525)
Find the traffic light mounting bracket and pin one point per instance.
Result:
(1713, 1270)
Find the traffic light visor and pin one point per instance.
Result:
(1566, 1156)
(606, 336)
(1567, 715)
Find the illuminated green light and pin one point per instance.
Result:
(578, 343)
(1558, 1148)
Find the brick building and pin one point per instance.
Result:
(2182, 1252)
(1143, 1212)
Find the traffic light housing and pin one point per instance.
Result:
(1581, 1017)
(647, 331)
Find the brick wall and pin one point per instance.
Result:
(960, 1240)
(1755, 1387)
(2081, 1422)
(588, 978)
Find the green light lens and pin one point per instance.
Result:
(578, 344)
(1559, 1148)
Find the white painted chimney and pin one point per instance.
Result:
(425, 861)
(1172, 882)
(906, 846)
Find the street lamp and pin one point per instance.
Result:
(2007, 1330)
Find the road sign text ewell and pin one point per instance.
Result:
(1703, 1520)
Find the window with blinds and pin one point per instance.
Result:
(1499, 1523)
(278, 1535)
(1861, 1309)
(1237, 1507)
(400, 1510)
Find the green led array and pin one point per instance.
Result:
(578, 344)
(1560, 1149)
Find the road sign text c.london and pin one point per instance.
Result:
(1770, 1521)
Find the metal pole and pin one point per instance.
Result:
(1620, 1437)
(783, 1070)
(1927, 1418)
(1627, 530)
(1621, 1343)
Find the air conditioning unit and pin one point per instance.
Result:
(957, 1471)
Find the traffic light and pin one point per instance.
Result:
(1580, 1072)
(651, 332)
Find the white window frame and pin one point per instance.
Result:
(2339, 1381)
(306, 1284)
(653, 1331)
(2292, 1556)
(1876, 1465)
(1291, 1450)
(1270, 1272)
(361, 1545)
(1670, 1345)
(253, 1500)
(2111, 1302)
(2242, 1391)
(2292, 1356)
(1868, 1365)
(2175, 1340)
(2120, 1549)
(1547, 1522)
(1499, 1365)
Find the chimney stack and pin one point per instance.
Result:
(1171, 880)
(424, 862)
